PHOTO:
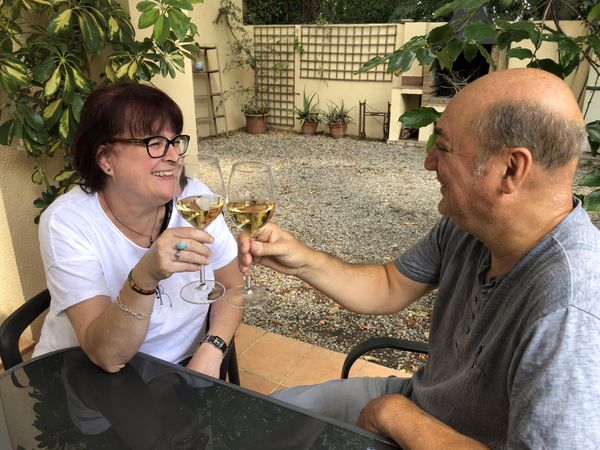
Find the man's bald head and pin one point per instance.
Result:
(527, 108)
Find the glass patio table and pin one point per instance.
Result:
(62, 400)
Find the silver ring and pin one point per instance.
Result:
(178, 255)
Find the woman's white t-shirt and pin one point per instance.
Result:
(86, 255)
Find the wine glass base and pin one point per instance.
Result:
(202, 294)
(248, 298)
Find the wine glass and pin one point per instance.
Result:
(251, 204)
(199, 196)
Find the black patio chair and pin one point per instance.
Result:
(381, 342)
(13, 326)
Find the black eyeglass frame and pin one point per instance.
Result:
(146, 142)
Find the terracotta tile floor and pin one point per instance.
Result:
(269, 362)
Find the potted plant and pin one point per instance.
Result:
(338, 117)
(309, 114)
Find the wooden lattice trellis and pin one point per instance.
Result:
(336, 52)
(274, 51)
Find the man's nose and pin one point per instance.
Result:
(431, 160)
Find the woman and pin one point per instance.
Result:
(115, 257)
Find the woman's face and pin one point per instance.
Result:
(136, 176)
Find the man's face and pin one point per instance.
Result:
(465, 187)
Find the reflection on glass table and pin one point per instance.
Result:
(62, 400)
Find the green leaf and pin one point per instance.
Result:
(449, 53)
(113, 28)
(63, 127)
(594, 13)
(59, 22)
(44, 70)
(520, 53)
(373, 62)
(483, 51)
(51, 110)
(7, 132)
(505, 38)
(64, 175)
(90, 30)
(470, 52)
(592, 179)
(548, 65)
(76, 106)
(400, 61)
(37, 176)
(419, 117)
(182, 4)
(591, 202)
(425, 56)
(593, 129)
(506, 3)
(145, 6)
(148, 18)
(37, 136)
(431, 142)
(479, 31)
(594, 41)
(32, 118)
(440, 35)
(179, 23)
(80, 81)
(68, 89)
(161, 30)
(568, 51)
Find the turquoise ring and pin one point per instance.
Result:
(181, 246)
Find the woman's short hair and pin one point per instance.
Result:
(119, 110)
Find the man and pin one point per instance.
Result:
(515, 334)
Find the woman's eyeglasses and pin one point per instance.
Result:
(158, 146)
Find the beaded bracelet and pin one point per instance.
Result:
(136, 288)
(137, 315)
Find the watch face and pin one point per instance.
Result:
(216, 341)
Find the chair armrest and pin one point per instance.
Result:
(381, 342)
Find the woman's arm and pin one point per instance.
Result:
(224, 320)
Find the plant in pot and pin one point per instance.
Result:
(309, 114)
(242, 51)
(338, 117)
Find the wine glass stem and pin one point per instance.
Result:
(202, 277)
(248, 281)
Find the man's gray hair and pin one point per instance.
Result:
(552, 139)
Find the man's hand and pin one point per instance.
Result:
(272, 247)
(395, 416)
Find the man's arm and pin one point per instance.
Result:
(397, 417)
(362, 288)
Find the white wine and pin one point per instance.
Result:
(250, 215)
(200, 210)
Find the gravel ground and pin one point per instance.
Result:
(362, 200)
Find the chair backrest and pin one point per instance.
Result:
(13, 326)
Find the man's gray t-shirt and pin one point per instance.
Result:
(515, 362)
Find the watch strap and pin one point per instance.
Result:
(216, 341)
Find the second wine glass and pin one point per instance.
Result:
(251, 204)
(199, 196)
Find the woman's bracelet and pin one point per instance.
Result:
(137, 315)
(138, 289)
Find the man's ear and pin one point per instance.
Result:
(103, 158)
(518, 162)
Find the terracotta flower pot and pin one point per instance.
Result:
(256, 123)
(337, 130)
(309, 127)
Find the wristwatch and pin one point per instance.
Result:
(216, 341)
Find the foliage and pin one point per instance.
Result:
(310, 111)
(269, 12)
(337, 113)
(48, 50)
(462, 37)
(243, 56)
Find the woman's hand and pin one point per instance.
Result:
(163, 259)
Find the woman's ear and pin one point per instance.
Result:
(103, 158)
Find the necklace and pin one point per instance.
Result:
(149, 236)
